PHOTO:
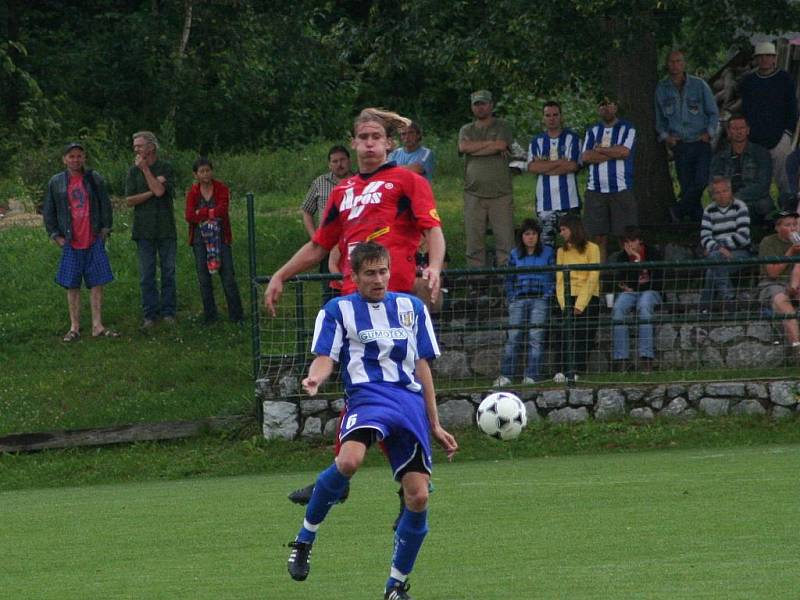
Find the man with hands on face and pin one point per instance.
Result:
(78, 218)
(149, 189)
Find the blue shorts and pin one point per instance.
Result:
(90, 265)
(399, 418)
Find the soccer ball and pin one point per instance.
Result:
(501, 415)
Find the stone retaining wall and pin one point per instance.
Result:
(288, 415)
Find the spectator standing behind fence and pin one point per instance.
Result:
(316, 200)
(608, 150)
(149, 189)
(724, 236)
(553, 155)
(791, 201)
(748, 166)
(413, 155)
(686, 120)
(769, 102)
(485, 144)
(528, 296)
(584, 292)
(779, 288)
(78, 218)
(207, 203)
(636, 288)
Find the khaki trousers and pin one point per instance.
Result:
(499, 213)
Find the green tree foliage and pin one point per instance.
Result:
(234, 74)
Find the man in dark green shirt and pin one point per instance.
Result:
(150, 189)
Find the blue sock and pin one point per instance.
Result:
(411, 531)
(328, 488)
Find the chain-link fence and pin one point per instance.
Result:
(644, 322)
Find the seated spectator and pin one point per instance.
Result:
(584, 296)
(749, 168)
(528, 297)
(640, 289)
(724, 235)
(791, 202)
(210, 237)
(413, 155)
(780, 282)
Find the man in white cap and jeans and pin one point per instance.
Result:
(769, 102)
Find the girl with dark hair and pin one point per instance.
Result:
(584, 296)
(528, 295)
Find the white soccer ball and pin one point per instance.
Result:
(502, 415)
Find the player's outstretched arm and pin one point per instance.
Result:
(306, 257)
(319, 371)
(436, 251)
(425, 377)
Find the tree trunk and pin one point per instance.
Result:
(631, 77)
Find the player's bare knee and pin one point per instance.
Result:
(417, 499)
(348, 465)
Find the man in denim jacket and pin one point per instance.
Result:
(686, 119)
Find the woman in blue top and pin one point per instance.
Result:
(528, 295)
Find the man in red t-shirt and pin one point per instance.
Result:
(382, 203)
(78, 218)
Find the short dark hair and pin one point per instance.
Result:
(415, 126)
(738, 117)
(201, 161)
(630, 233)
(338, 149)
(552, 103)
(529, 225)
(367, 252)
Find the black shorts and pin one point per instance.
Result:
(368, 436)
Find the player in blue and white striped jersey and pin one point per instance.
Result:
(608, 150)
(554, 156)
(383, 341)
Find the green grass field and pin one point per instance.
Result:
(675, 524)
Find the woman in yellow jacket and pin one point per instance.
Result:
(584, 301)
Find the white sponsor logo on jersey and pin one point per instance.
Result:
(370, 335)
(355, 204)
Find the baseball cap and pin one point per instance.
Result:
(480, 96)
(786, 213)
(764, 48)
(72, 146)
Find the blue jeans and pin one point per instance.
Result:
(644, 303)
(718, 279)
(147, 251)
(692, 164)
(532, 312)
(228, 276)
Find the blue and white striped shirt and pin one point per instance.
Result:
(611, 175)
(375, 342)
(556, 192)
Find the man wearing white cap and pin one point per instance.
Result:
(770, 104)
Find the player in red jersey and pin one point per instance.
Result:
(382, 203)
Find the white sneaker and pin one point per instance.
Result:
(560, 378)
(528, 381)
(502, 381)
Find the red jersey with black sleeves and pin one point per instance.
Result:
(390, 206)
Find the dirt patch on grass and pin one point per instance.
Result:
(20, 220)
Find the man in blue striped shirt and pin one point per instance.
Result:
(686, 119)
(608, 150)
(383, 341)
(553, 155)
(724, 235)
